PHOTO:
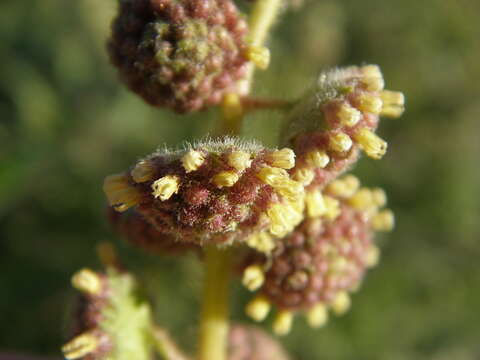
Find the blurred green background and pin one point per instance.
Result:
(66, 122)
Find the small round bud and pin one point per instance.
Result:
(185, 55)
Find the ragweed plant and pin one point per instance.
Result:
(304, 236)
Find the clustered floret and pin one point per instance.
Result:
(324, 259)
(215, 192)
(181, 54)
(339, 116)
(111, 321)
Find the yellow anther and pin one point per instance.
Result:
(273, 176)
(393, 103)
(284, 217)
(362, 199)
(120, 194)
(373, 77)
(258, 308)
(165, 187)
(80, 346)
(317, 316)
(370, 103)
(232, 110)
(341, 303)
(372, 144)
(261, 242)
(283, 322)
(291, 190)
(239, 160)
(259, 55)
(372, 256)
(253, 277)
(315, 203)
(338, 264)
(332, 207)
(340, 142)
(87, 281)
(225, 179)
(348, 115)
(317, 159)
(284, 158)
(379, 197)
(384, 221)
(143, 171)
(192, 160)
(344, 187)
(304, 176)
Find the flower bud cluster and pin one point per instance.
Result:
(111, 321)
(336, 120)
(252, 343)
(315, 267)
(181, 54)
(217, 192)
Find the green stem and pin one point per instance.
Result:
(214, 317)
(262, 17)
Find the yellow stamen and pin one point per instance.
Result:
(253, 277)
(261, 242)
(373, 78)
(272, 176)
(393, 103)
(384, 221)
(344, 187)
(315, 203)
(258, 308)
(317, 316)
(317, 159)
(192, 160)
(379, 197)
(87, 281)
(283, 322)
(284, 158)
(348, 115)
(259, 55)
(143, 171)
(225, 179)
(340, 142)
(374, 146)
(165, 187)
(332, 207)
(120, 194)
(239, 160)
(362, 199)
(80, 346)
(304, 176)
(341, 303)
(370, 103)
(373, 256)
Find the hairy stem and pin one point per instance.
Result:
(214, 317)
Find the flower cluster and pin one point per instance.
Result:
(336, 119)
(112, 322)
(185, 55)
(215, 192)
(322, 260)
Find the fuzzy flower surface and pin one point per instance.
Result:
(183, 54)
(338, 118)
(314, 268)
(214, 192)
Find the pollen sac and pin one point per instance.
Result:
(252, 343)
(184, 54)
(314, 269)
(220, 192)
(337, 119)
(104, 318)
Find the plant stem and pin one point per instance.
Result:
(214, 317)
(262, 17)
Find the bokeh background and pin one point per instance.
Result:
(66, 122)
